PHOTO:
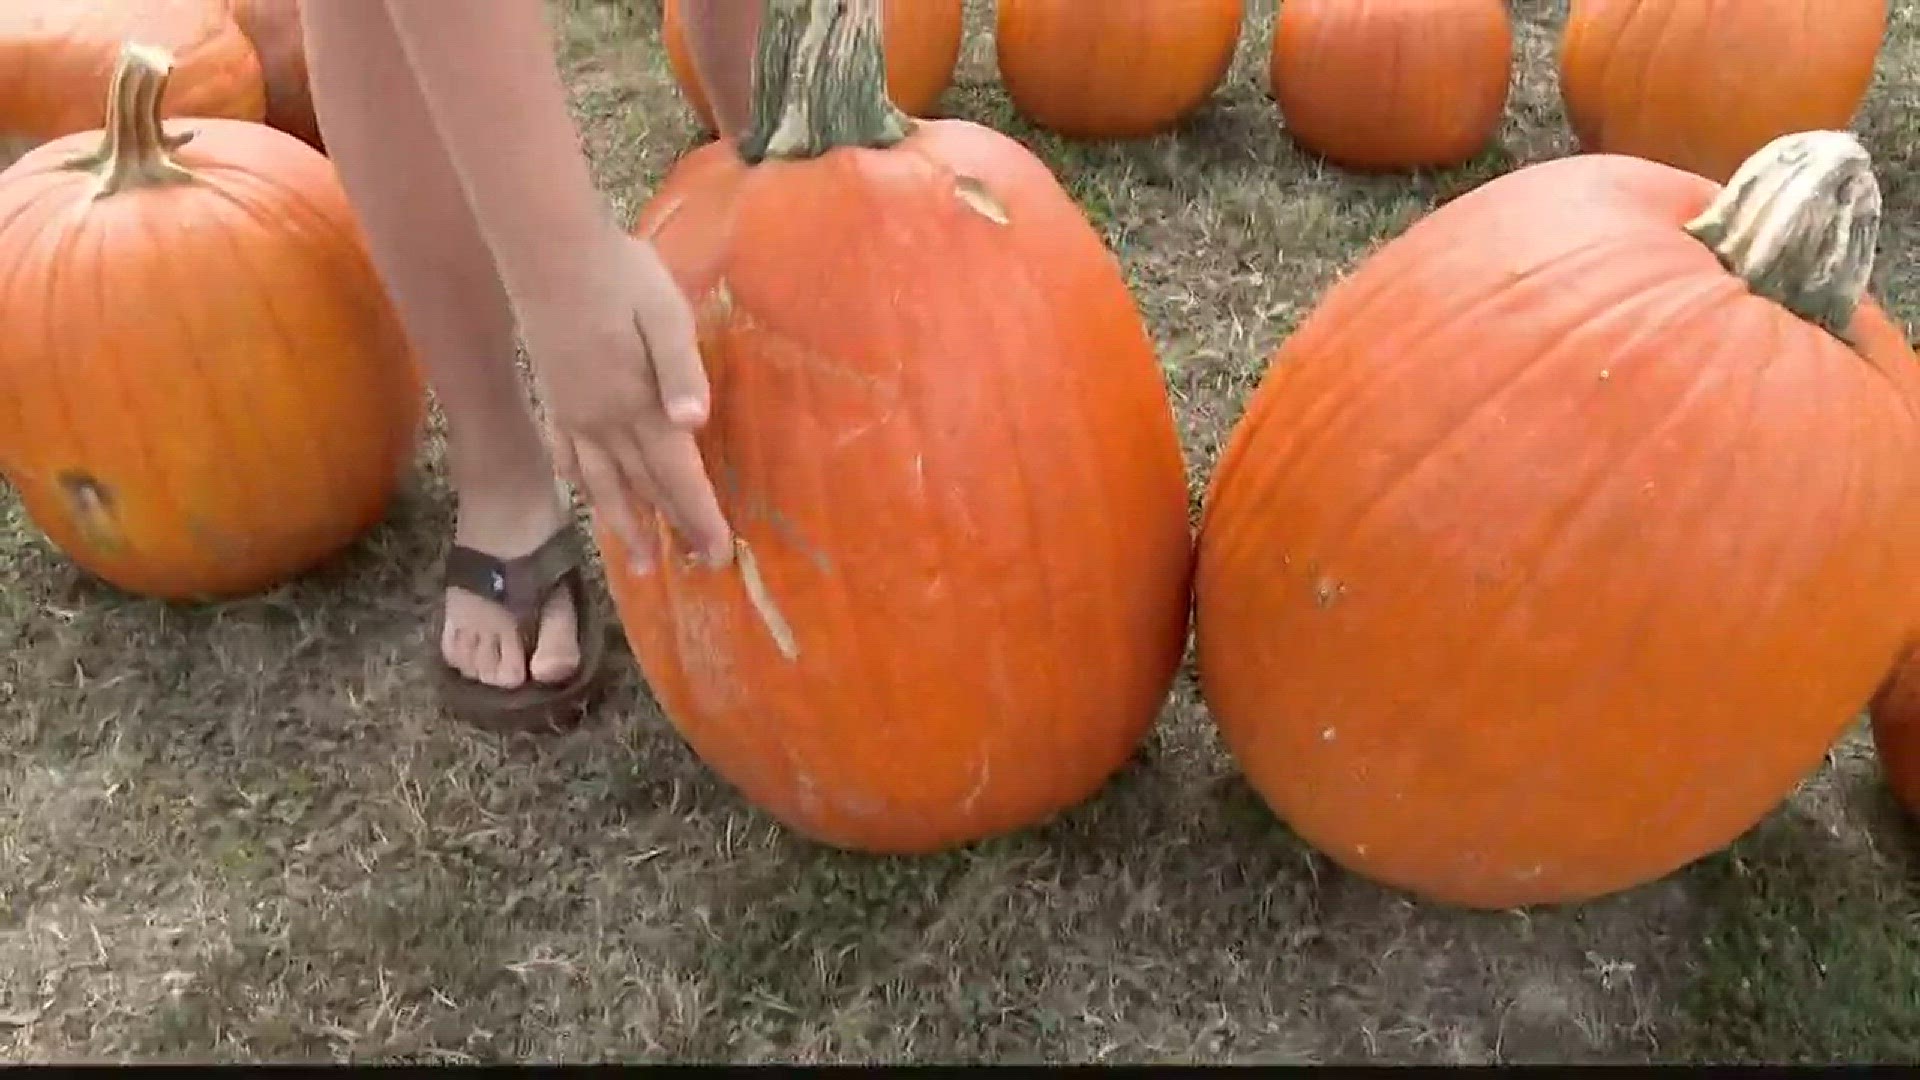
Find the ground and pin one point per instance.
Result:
(242, 832)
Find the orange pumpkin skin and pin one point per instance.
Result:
(1895, 716)
(1096, 69)
(1398, 84)
(206, 389)
(273, 27)
(949, 449)
(923, 45)
(1548, 557)
(1701, 84)
(57, 58)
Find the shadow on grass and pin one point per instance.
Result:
(1809, 952)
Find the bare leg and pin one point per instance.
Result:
(440, 273)
(721, 35)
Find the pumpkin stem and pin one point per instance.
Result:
(1798, 222)
(820, 81)
(135, 150)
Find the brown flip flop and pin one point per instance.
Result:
(523, 586)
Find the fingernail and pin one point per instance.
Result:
(687, 411)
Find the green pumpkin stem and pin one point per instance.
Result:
(820, 81)
(135, 150)
(1798, 222)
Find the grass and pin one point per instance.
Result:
(243, 833)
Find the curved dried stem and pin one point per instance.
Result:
(135, 149)
(1798, 222)
(820, 81)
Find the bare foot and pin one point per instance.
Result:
(480, 640)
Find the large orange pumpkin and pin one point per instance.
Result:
(204, 389)
(1393, 84)
(1701, 84)
(1566, 534)
(1098, 69)
(57, 57)
(922, 47)
(273, 26)
(941, 435)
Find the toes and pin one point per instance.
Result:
(503, 662)
(557, 655)
(459, 647)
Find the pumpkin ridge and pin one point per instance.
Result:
(1357, 323)
(332, 485)
(193, 333)
(1561, 526)
(1621, 313)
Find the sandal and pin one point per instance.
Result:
(523, 586)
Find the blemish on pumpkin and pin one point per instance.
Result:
(1326, 591)
(762, 600)
(719, 303)
(666, 215)
(743, 505)
(980, 200)
(92, 505)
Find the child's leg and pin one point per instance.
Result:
(438, 270)
(721, 36)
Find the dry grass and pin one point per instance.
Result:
(242, 833)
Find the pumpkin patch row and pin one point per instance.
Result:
(1394, 84)
(1403, 84)
(1556, 546)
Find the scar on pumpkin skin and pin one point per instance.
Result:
(980, 200)
(92, 509)
(762, 600)
(665, 216)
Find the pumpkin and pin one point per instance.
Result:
(204, 389)
(1095, 69)
(922, 45)
(1396, 84)
(1566, 534)
(945, 446)
(57, 57)
(1701, 84)
(273, 26)
(1895, 726)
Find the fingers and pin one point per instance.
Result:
(686, 494)
(667, 327)
(618, 500)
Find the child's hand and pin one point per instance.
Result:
(624, 388)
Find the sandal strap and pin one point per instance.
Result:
(522, 585)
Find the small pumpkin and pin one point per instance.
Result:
(1096, 69)
(1566, 534)
(1393, 84)
(1701, 84)
(57, 58)
(273, 26)
(922, 46)
(205, 389)
(941, 435)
